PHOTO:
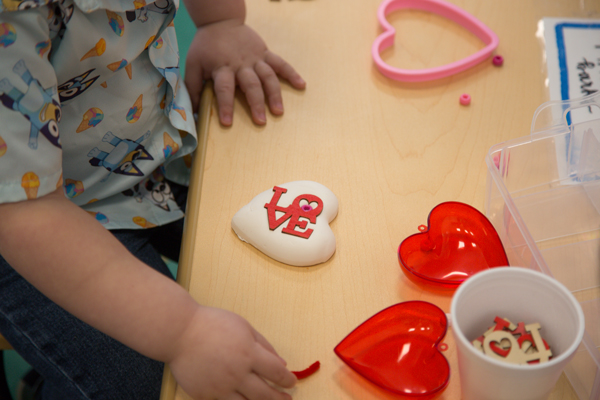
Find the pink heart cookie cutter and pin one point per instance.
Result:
(444, 9)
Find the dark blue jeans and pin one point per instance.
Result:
(76, 360)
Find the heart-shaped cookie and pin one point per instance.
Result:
(445, 9)
(458, 242)
(290, 223)
(397, 349)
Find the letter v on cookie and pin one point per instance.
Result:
(290, 223)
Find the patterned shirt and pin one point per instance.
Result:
(92, 101)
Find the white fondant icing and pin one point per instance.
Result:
(251, 225)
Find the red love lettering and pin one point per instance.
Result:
(293, 212)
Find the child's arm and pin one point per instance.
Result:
(81, 266)
(232, 54)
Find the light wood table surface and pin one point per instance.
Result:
(390, 151)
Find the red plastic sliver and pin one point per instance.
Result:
(305, 373)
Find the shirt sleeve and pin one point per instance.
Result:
(30, 146)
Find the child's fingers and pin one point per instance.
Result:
(285, 70)
(255, 388)
(265, 343)
(268, 366)
(252, 88)
(193, 82)
(271, 86)
(235, 396)
(224, 81)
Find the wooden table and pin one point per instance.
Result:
(390, 151)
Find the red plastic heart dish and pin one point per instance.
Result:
(397, 350)
(458, 242)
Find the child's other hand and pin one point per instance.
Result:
(231, 53)
(222, 357)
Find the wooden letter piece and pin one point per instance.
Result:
(514, 356)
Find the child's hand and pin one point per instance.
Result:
(231, 53)
(222, 357)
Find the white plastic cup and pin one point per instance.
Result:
(521, 295)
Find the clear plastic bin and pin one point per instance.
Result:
(543, 198)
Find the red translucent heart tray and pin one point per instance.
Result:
(397, 350)
(458, 242)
